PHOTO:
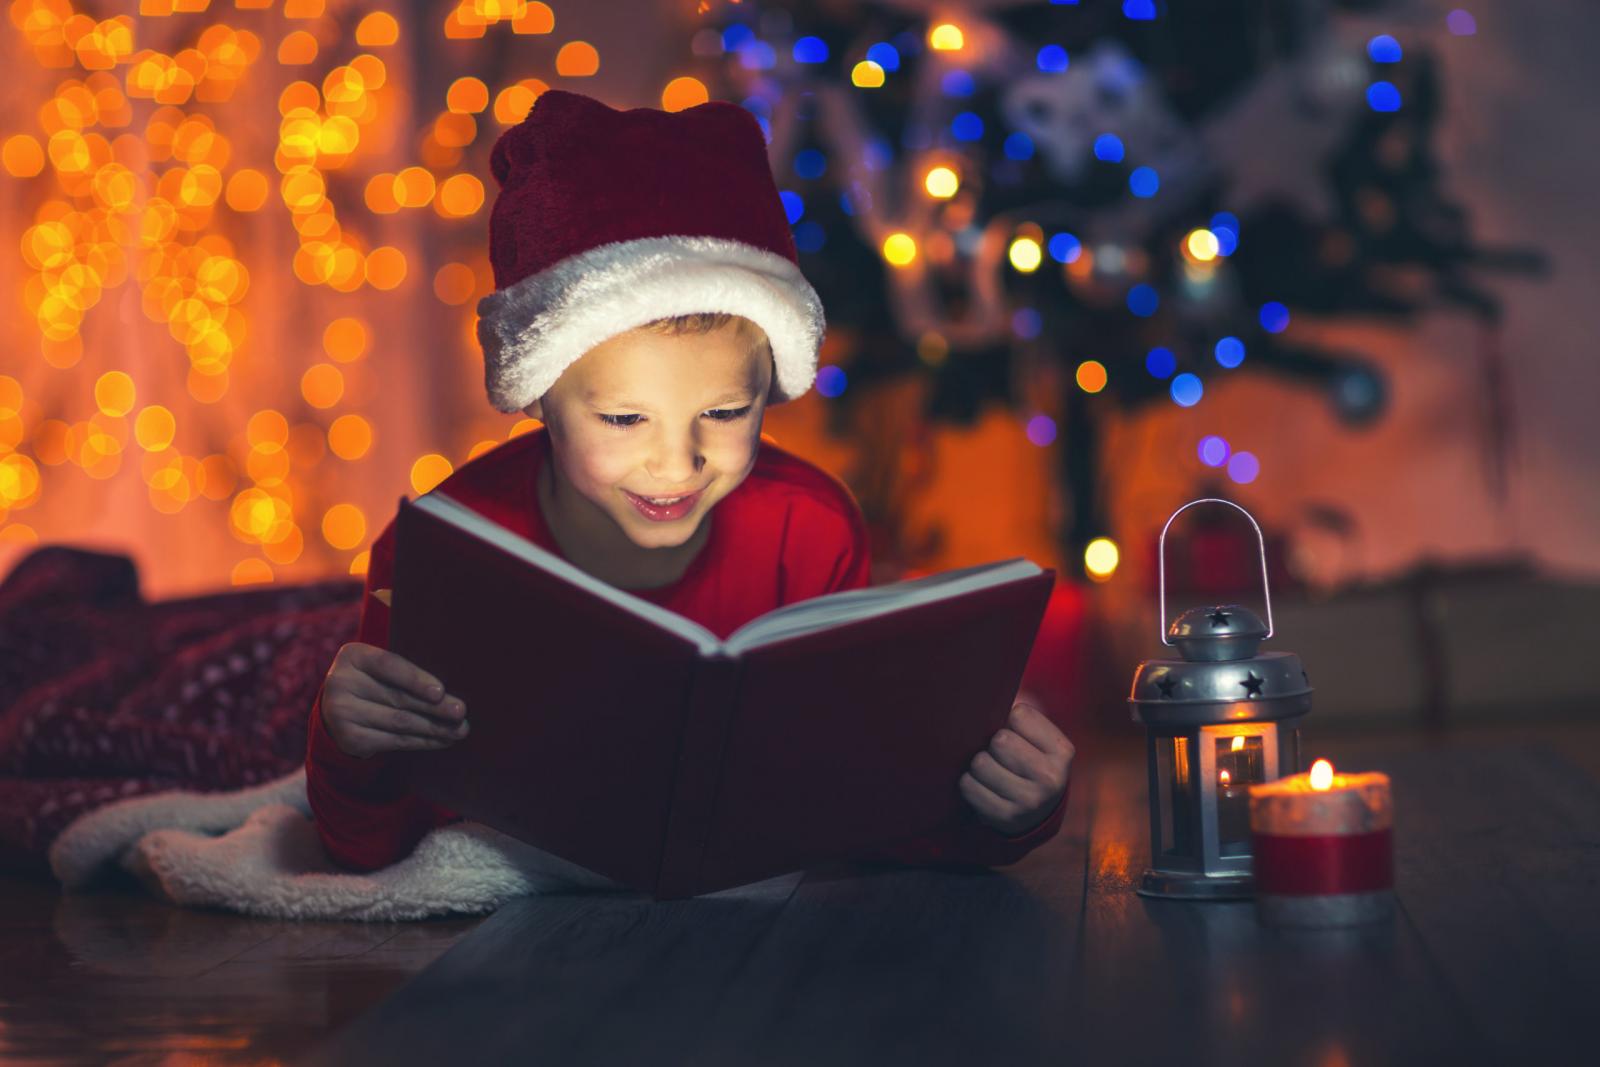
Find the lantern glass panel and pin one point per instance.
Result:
(1240, 761)
(1175, 771)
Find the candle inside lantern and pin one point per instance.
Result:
(1322, 847)
(1238, 765)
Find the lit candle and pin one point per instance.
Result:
(1322, 847)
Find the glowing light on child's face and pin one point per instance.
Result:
(660, 415)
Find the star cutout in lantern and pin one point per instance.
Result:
(1219, 619)
(1252, 684)
(1167, 685)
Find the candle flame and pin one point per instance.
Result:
(1238, 743)
(1321, 774)
(1225, 778)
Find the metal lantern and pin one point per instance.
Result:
(1217, 720)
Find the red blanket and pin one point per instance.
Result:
(104, 695)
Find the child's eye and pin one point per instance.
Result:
(729, 414)
(618, 420)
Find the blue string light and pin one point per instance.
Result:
(1019, 146)
(1230, 352)
(1143, 300)
(1160, 362)
(735, 35)
(1243, 468)
(1186, 390)
(1108, 147)
(1052, 59)
(957, 83)
(966, 126)
(885, 55)
(878, 154)
(1225, 228)
(1041, 430)
(1274, 317)
(809, 237)
(1383, 96)
(793, 206)
(1065, 248)
(757, 55)
(810, 163)
(1026, 323)
(1384, 49)
(811, 50)
(1213, 451)
(1144, 182)
(1139, 10)
(831, 381)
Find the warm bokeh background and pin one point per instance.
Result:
(247, 238)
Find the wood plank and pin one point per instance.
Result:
(1177, 981)
(1497, 852)
(112, 974)
(883, 964)
(571, 979)
(1054, 958)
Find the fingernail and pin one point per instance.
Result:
(436, 691)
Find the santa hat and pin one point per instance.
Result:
(607, 220)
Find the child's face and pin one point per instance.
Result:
(646, 414)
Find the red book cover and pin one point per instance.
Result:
(631, 741)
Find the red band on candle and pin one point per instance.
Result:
(1331, 863)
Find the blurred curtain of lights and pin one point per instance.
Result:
(247, 243)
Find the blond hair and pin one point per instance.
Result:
(705, 322)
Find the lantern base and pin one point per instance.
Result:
(1177, 885)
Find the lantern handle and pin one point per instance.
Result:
(1161, 559)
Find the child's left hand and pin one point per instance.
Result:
(1016, 782)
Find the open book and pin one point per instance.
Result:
(635, 742)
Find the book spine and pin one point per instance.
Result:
(713, 697)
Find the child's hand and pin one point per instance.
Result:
(376, 701)
(1016, 782)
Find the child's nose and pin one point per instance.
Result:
(676, 463)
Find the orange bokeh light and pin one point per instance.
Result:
(377, 29)
(577, 59)
(350, 437)
(460, 195)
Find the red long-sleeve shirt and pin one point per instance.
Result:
(789, 532)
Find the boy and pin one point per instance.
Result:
(648, 306)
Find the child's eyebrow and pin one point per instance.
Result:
(600, 400)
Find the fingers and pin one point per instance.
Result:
(370, 742)
(395, 671)
(1036, 727)
(376, 716)
(383, 677)
(984, 800)
(1011, 784)
(449, 710)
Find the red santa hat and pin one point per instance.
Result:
(607, 220)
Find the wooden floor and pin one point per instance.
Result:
(111, 976)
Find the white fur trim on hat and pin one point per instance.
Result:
(533, 330)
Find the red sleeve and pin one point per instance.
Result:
(365, 816)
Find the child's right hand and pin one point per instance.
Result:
(376, 701)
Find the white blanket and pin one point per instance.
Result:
(256, 851)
